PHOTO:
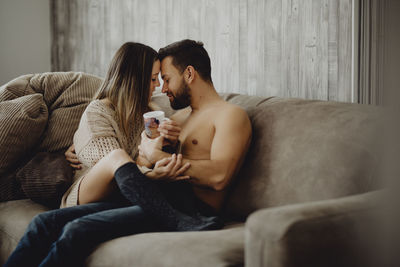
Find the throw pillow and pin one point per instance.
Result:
(16, 88)
(45, 178)
(67, 95)
(22, 122)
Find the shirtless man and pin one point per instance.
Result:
(213, 134)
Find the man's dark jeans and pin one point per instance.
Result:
(65, 237)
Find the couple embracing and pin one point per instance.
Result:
(125, 182)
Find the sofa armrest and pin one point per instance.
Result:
(322, 233)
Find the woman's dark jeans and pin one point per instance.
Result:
(66, 236)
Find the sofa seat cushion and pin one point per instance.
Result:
(14, 218)
(207, 248)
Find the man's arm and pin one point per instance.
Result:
(229, 146)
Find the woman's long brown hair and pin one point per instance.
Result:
(127, 84)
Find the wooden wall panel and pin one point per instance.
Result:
(288, 48)
(344, 51)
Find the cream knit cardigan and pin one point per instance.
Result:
(98, 134)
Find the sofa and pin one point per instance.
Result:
(308, 185)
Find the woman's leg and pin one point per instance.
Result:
(79, 237)
(44, 229)
(99, 182)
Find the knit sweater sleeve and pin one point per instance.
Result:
(96, 135)
(96, 149)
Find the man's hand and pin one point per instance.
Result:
(72, 158)
(170, 130)
(150, 147)
(169, 169)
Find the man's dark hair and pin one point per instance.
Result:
(188, 52)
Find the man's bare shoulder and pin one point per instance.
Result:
(181, 115)
(228, 110)
(233, 117)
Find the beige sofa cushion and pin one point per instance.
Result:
(14, 218)
(195, 249)
(305, 150)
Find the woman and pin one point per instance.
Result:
(131, 203)
(114, 120)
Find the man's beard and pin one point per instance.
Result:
(182, 97)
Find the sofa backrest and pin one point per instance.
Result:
(306, 150)
(302, 150)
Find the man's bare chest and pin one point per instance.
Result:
(196, 138)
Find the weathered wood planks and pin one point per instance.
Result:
(288, 48)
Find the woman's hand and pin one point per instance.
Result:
(170, 130)
(71, 157)
(169, 169)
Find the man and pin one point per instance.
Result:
(214, 134)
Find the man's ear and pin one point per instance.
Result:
(190, 73)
